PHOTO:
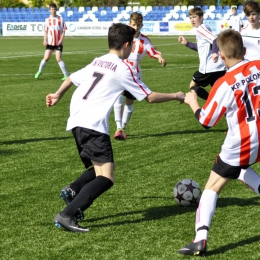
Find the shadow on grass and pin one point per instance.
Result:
(36, 140)
(203, 131)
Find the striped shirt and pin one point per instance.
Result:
(237, 95)
(251, 41)
(54, 26)
(141, 46)
(205, 39)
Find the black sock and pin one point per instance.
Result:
(87, 195)
(86, 177)
(201, 92)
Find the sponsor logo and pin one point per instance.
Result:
(183, 26)
(164, 27)
(16, 27)
(148, 27)
(72, 27)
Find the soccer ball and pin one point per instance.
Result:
(187, 192)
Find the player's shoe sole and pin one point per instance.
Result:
(69, 223)
(67, 194)
(195, 248)
(38, 74)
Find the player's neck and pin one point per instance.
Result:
(255, 26)
(232, 62)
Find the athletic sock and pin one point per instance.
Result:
(204, 214)
(42, 65)
(201, 92)
(251, 179)
(63, 68)
(86, 177)
(118, 111)
(87, 195)
(128, 110)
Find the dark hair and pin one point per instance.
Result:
(118, 34)
(52, 5)
(251, 6)
(231, 44)
(137, 17)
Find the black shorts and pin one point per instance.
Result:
(129, 95)
(93, 145)
(57, 48)
(227, 171)
(206, 79)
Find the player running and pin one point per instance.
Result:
(54, 34)
(141, 46)
(236, 95)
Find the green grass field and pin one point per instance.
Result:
(138, 218)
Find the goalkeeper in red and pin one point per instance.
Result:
(236, 95)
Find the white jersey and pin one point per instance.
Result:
(99, 85)
(235, 22)
(237, 95)
(141, 46)
(205, 38)
(54, 26)
(251, 41)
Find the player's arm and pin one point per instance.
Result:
(161, 60)
(53, 98)
(45, 38)
(156, 97)
(190, 45)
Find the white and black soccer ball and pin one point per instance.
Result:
(187, 192)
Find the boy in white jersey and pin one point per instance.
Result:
(251, 32)
(236, 22)
(141, 46)
(236, 95)
(211, 68)
(99, 85)
(54, 34)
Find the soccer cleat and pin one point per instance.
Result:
(64, 78)
(118, 134)
(38, 74)
(69, 223)
(68, 195)
(195, 248)
(123, 134)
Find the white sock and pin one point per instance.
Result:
(42, 65)
(204, 214)
(250, 178)
(118, 111)
(63, 68)
(128, 110)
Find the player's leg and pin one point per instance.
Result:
(250, 178)
(61, 62)
(204, 214)
(47, 54)
(118, 117)
(201, 92)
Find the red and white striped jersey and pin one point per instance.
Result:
(205, 38)
(251, 41)
(99, 85)
(141, 46)
(237, 95)
(54, 26)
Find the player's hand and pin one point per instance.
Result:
(182, 40)
(215, 57)
(52, 99)
(190, 97)
(180, 96)
(45, 43)
(162, 61)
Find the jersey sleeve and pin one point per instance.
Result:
(133, 84)
(79, 76)
(151, 51)
(205, 33)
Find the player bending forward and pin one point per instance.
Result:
(99, 84)
(236, 95)
(141, 46)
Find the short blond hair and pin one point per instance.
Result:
(196, 11)
(231, 44)
(137, 17)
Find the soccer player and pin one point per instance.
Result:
(251, 32)
(236, 22)
(236, 95)
(54, 34)
(99, 84)
(210, 68)
(141, 46)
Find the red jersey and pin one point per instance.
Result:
(236, 95)
(54, 26)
